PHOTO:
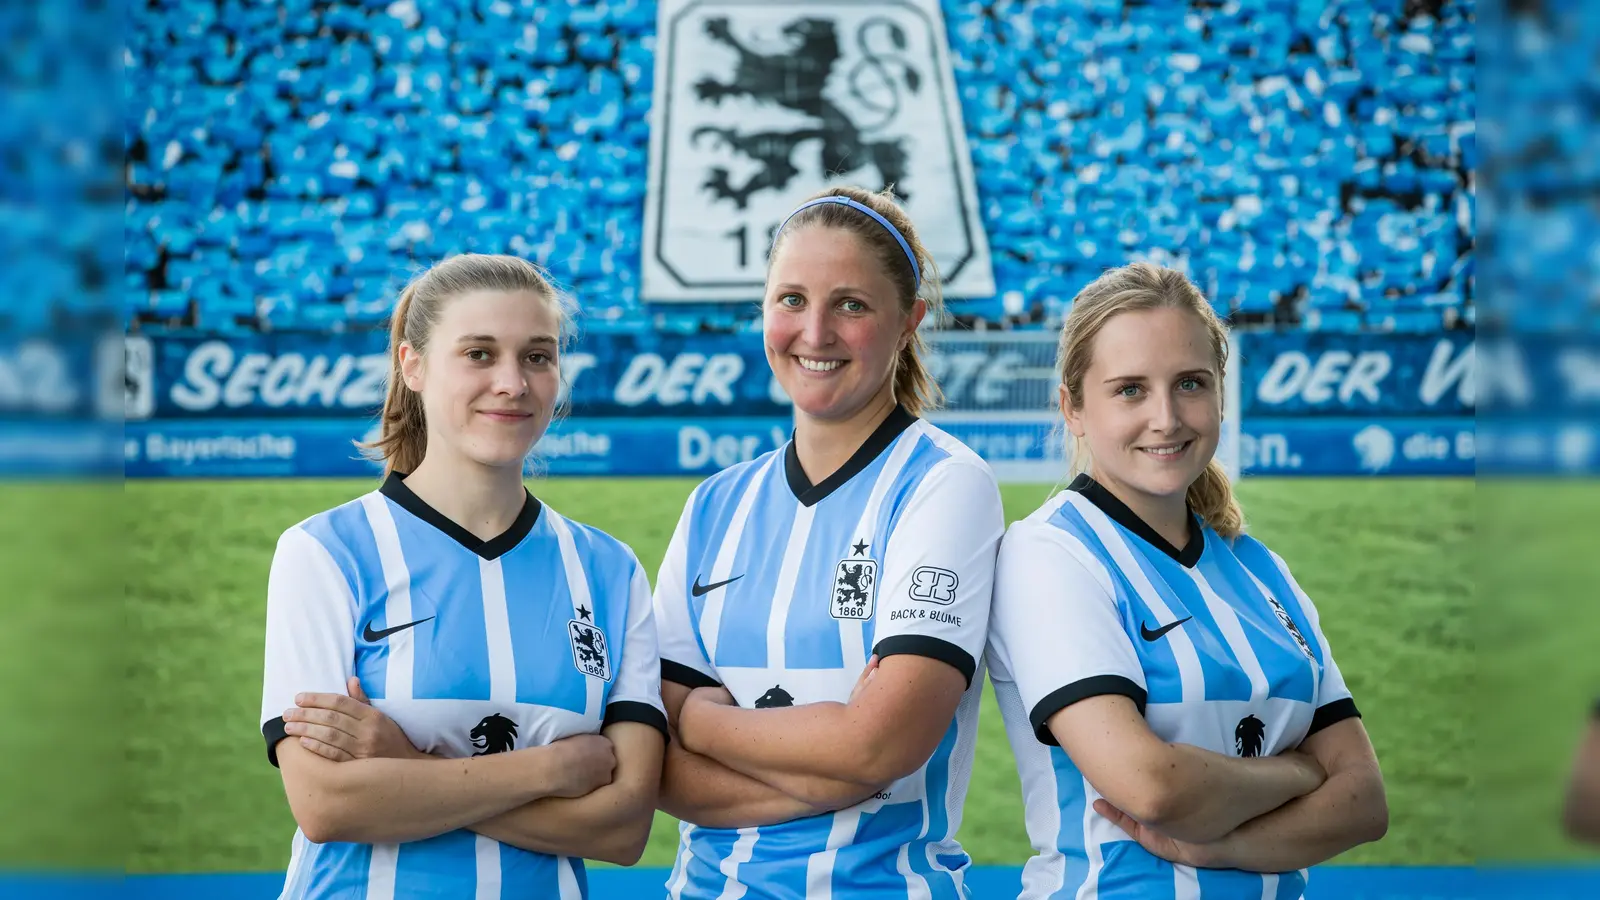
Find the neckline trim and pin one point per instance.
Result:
(809, 494)
(394, 487)
(1107, 502)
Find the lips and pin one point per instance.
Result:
(1168, 451)
(507, 415)
(819, 365)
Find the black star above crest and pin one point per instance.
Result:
(583, 613)
(859, 548)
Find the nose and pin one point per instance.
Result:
(1163, 410)
(509, 378)
(816, 329)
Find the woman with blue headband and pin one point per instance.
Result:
(822, 609)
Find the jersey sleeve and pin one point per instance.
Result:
(1334, 701)
(683, 656)
(311, 615)
(1057, 631)
(636, 697)
(938, 569)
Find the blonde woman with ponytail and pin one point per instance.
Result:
(1174, 707)
(462, 686)
(822, 609)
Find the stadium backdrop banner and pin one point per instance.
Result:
(293, 375)
(740, 135)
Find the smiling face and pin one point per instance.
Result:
(1151, 406)
(832, 323)
(488, 377)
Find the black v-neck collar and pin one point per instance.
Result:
(810, 495)
(1107, 502)
(394, 487)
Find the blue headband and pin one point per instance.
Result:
(916, 271)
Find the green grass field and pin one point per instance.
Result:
(1391, 564)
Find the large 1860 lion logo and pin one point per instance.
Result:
(795, 80)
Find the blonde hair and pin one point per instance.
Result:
(403, 428)
(1141, 286)
(914, 386)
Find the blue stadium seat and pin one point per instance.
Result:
(1283, 150)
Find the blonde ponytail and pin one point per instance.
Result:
(1211, 498)
(402, 427)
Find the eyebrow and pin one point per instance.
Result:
(846, 289)
(490, 339)
(1184, 374)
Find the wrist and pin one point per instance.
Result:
(690, 720)
(1217, 854)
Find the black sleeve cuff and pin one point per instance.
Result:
(1083, 689)
(1329, 713)
(634, 711)
(679, 673)
(932, 648)
(273, 732)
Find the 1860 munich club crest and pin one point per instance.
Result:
(758, 105)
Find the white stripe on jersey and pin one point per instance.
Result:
(1186, 883)
(578, 587)
(852, 632)
(783, 593)
(397, 605)
(711, 617)
(497, 622)
(676, 885)
(1233, 633)
(743, 849)
(1092, 841)
(1269, 886)
(819, 868)
(1192, 674)
(568, 879)
(298, 851)
(381, 871)
(916, 885)
(488, 852)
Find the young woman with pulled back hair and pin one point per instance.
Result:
(462, 685)
(822, 608)
(1173, 704)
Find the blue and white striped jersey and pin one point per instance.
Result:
(1215, 642)
(781, 590)
(472, 647)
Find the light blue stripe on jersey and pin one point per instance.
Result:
(1070, 839)
(747, 603)
(942, 884)
(608, 569)
(1254, 556)
(1179, 592)
(347, 526)
(453, 662)
(806, 646)
(1291, 886)
(719, 496)
(333, 870)
(1131, 873)
(543, 677)
(707, 843)
(1163, 683)
(1286, 668)
(443, 866)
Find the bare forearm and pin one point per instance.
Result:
(1211, 795)
(399, 800)
(697, 789)
(611, 824)
(768, 744)
(1348, 809)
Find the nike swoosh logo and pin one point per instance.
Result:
(1149, 635)
(368, 635)
(700, 590)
